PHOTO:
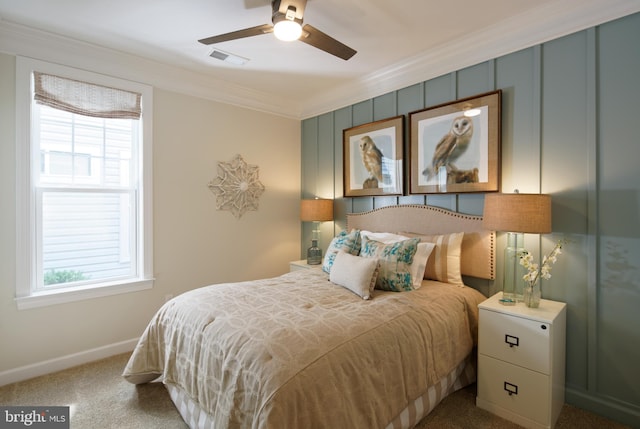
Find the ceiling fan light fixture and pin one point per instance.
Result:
(286, 26)
(287, 31)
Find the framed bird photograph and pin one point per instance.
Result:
(455, 147)
(373, 157)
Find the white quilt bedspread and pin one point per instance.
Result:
(297, 351)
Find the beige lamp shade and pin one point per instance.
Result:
(317, 210)
(528, 213)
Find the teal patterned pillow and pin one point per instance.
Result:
(347, 241)
(394, 263)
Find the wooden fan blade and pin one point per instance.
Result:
(316, 38)
(247, 32)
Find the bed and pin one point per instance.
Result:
(305, 350)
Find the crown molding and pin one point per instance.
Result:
(29, 42)
(547, 22)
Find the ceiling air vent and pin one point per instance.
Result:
(227, 57)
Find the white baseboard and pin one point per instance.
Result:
(64, 362)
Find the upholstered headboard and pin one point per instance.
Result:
(478, 244)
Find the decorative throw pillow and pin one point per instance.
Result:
(444, 263)
(355, 273)
(382, 237)
(394, 259)
(347, 241)
(420, 259)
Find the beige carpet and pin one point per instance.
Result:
(100, 399)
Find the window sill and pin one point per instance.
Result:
(62, 296)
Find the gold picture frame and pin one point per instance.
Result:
(455, 147)
(373, 158)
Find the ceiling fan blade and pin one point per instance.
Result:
(247, 32)
(316, 38)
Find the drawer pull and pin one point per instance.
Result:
(511, 340)
(511, 388)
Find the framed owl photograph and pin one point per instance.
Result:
(455, 147)
(373, 158)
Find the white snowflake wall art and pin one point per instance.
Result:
(237, 186)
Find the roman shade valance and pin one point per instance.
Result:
(86, 98)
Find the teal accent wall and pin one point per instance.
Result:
(570, 129)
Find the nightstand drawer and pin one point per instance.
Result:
(530, 390)
(520, 341)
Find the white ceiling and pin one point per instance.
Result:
(399, 42)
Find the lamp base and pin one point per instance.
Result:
(513, 282)
(314, 254)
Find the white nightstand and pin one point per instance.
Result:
(302, 265)
(521, 361)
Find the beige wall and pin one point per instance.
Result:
(194, 244)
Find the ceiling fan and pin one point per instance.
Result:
(287, 18)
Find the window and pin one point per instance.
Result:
(84, 184)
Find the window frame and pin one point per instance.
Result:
(27, 296)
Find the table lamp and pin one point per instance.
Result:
(516, 214)
(316, 211)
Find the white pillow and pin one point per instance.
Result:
(383, 237)
(444, 263)
(420, 258)
(354, 273)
